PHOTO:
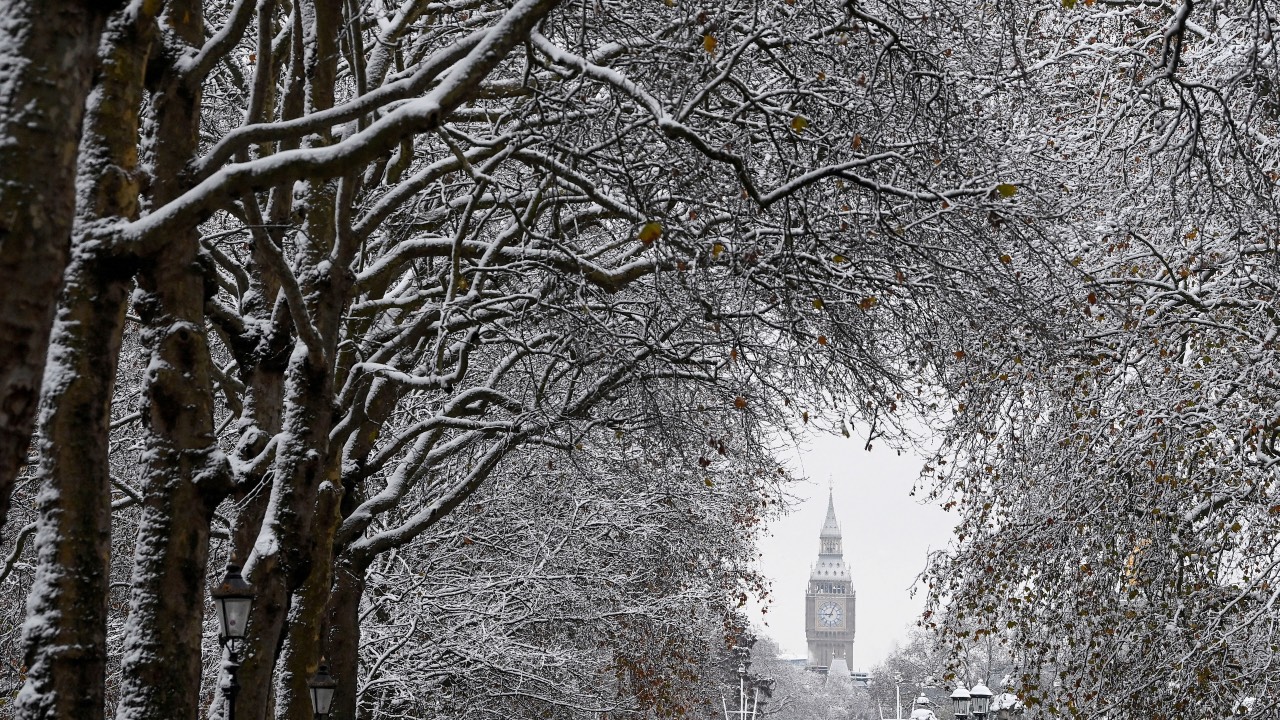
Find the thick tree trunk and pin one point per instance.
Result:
(262, 358)
(47, 53)
(292, 563)
(303, 647)
(284, 557)
(185, 474)
(264, 365)
(65, 634)
(262, 643)
(343, 635)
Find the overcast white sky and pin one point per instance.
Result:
(887, 536)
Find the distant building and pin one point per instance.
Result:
(829, 602)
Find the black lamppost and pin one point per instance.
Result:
(981, 695)
(322, 687)
(960, 699)
(232, 598)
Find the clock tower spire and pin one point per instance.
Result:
(829, 602)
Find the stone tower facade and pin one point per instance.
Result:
(829, 602)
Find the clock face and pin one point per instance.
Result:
(830, 614)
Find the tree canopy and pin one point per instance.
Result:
(468, 327)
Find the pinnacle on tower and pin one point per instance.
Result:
(831, 526)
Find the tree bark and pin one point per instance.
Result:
(303, 648)
(47, 51)
(286, 553)
(65, 634)
(185, 473)
(343, 635)
(292, 563)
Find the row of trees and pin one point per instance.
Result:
(464, 326)
(387, 299)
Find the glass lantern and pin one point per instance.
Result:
(322, 687)
(232, 598)
(960, 699)
(981, 695)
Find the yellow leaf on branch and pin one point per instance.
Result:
(650, 232)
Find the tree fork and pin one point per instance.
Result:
(303, 510)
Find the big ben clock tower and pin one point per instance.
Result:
(829, 603)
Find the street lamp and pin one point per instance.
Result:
(960, 699)
(232, 599)
(742, 712)
(981, 695)
(322, 687)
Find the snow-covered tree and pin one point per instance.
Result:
(1112, 462)
(335, 266)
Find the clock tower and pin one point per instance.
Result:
(829, 603)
